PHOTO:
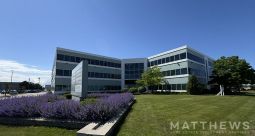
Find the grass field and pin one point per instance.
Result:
(34, 131)
(151, 116)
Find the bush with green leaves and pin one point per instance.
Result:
(133, 90)
(193, 86)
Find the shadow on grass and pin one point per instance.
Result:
(117, 129)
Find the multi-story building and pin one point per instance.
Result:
(107, 74)
(178, 64)
(104, 73)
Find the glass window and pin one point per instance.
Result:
(178, 71)
(183, 55)
(183, 86)
(179, 87)
(172, 72)
(96, 75)
(72, 59)
(59, 72)
(89, 61)
(92, 62)
(168, 87)
(67, 73)
(159, 61)
(105, 63)
(101, 63)
(92, 74)
(78, 59)
(155, 62)
(177, 57)
(67, 58)
(163, 60)
(60, 57)
(184, 71)
(172, 58)
(96, 62)
(152, 63)
(173, 86)
(164, 73)
(168, 73)
(167, 59)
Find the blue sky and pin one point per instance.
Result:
(30, 30)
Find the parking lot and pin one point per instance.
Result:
(25, 94)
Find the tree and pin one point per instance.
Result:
(151, 77)
(193, 86)
(231, 72)
(28, 85)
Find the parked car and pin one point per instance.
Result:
(4, 91)
(13, 92)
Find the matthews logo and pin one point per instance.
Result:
(205, 126)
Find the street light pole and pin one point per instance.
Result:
(11, 76)
(9, 86)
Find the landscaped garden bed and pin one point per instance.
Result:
(54, 110)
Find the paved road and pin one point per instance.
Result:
(20, 95)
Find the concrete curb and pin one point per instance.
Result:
(106, 129)
(42, 122)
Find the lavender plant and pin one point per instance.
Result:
(50, 106)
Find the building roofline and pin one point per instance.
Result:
(133, 59)
(169, 51)
(200, 53)
(85, 53)
(177, 49)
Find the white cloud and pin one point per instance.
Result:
(23, 72)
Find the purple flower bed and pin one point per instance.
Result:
(53, 107)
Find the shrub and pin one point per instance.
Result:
(133, 90)
(24, 106)
(68, 96)
(50, 106)
(193, 86)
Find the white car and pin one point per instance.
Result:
(13, 92)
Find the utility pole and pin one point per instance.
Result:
(39, 79)
(9, 86)
(11, 75)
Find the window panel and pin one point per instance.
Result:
(172, 58)
(163, 60)
(159, 61)
(72, 58)
(59, 72)
(183, 86)
(78, 59)
(172, 72)
(173, 86)
(167, 59)
(179, 87)
(178, 71)
(60, 57)
(177, 57)
(183, 55)
(184, 71)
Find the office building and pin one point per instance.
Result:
(107, 74)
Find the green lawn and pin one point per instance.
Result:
(34, 131)
(151, 115)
